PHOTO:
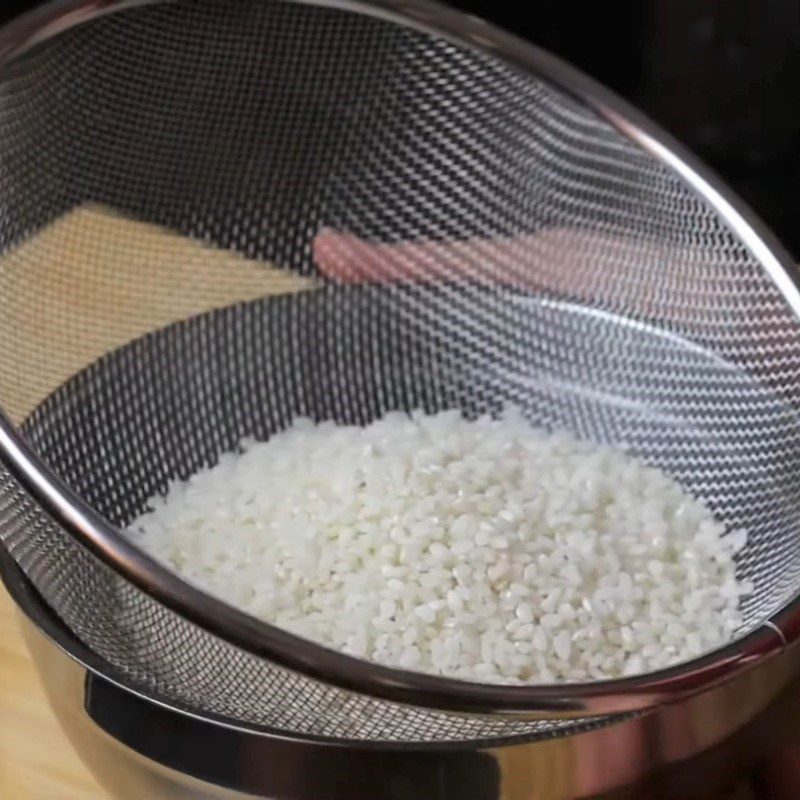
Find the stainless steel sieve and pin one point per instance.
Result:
(546, 247)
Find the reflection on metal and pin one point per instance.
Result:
(139, 748)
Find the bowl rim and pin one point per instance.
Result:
(557, 701)
(37, 613)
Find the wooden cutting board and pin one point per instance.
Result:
(100, 278)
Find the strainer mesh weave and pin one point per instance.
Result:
(560, 268)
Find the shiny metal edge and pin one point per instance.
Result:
(37, 613)
(573, 700)
(137, 747)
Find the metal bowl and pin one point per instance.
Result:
(138, 747)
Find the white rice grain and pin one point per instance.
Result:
(486, 550)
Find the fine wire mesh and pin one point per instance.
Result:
(557, 266)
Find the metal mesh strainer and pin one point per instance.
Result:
(566, 262)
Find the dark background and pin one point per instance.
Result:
(722, 75)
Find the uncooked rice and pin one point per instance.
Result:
(487, 549)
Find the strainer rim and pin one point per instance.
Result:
(217, 617)
(36, 610)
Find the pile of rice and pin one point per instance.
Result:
(485, 550)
